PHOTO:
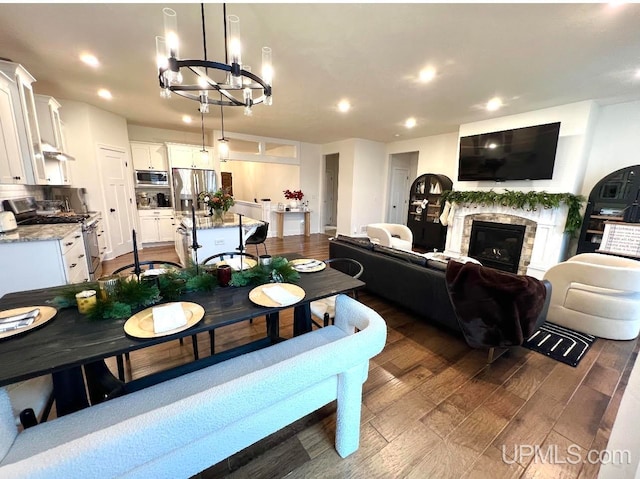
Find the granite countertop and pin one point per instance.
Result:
(44, 232)
(39, 233)
(204, 222)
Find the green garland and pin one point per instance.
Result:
(279, 271)
(131, 295)
(527, 201)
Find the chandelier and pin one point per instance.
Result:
(193, 79)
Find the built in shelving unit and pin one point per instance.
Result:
(425, 207)
(608, 201)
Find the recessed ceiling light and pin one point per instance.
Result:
(410, 123)
(427, 74)
(186, 119)
(90, 60)
(396, 135)
(344, 106)
(494, 104)
(106, 94)
(616, 4)
(638, 73)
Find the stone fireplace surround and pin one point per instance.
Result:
(544, 243)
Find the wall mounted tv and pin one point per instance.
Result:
(519, 154)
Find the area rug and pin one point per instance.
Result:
(560, 343)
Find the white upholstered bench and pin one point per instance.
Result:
(182, 426)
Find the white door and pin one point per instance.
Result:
(399, 196)
(118, 199)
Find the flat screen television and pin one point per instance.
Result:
(519, 154)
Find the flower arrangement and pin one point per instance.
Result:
(220, 200)
(293, 195)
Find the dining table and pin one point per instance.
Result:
(71, 342)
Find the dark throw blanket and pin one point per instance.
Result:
(494, 308)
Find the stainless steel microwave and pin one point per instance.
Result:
(152, 178)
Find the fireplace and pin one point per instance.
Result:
(497, 245)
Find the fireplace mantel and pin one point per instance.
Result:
(549, 241)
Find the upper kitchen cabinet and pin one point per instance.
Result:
(11, 166)
(48, 111)
(189, 156)
(24, 111)
(52, 140)
(149, 156)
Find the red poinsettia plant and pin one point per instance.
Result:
(293, 195)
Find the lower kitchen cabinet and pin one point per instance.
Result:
(156, 226)
(43, 264)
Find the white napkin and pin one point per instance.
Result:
(237, 263)
(280, 295)
(16, 325)
(168, 317)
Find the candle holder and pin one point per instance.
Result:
(107, 286)
(86, 300)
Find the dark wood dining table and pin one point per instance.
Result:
(71, 341)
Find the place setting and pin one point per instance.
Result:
(19, 320)
(164, 320)
(307, 265)
(276, 294)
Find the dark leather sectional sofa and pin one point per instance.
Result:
(408, 280)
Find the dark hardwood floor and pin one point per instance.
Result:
(432, 407)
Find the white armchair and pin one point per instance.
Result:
(392, 235)
(596, 294)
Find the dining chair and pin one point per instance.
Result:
(156, 264)
(147, 265)
(31, 400)
(217, 258)
(259, 236)
(325, 309)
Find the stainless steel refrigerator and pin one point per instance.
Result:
(187, 183)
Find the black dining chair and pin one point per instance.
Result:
(146, 266)
(216, 258)
(258, 237)
(325, 309)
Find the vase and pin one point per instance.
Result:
(294, 204)
(218, 216)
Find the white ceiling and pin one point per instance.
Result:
(532, 55)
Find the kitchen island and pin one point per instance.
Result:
(213, 237)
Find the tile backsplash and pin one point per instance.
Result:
(19, 191)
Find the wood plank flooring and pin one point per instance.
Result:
(432, 407)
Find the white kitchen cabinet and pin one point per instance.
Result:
(43, 264)
(11, 166)
(149, 156)
(189, 156)
(102, 237)
(24, 110)
(52, 138)
(156, 226)
(48, 111)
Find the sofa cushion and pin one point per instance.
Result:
(400, 254)
(361, 242)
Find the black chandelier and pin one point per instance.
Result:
(239, 83)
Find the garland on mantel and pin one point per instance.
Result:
(528, 201)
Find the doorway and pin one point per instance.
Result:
(403, 168)
(117, 199)
(331, 193)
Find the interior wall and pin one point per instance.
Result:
(615, 142)
(436, 154)
(159, 135)
(8, 192)
(577, 121)
(252, 179)
(346, 152)
(369, 176)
